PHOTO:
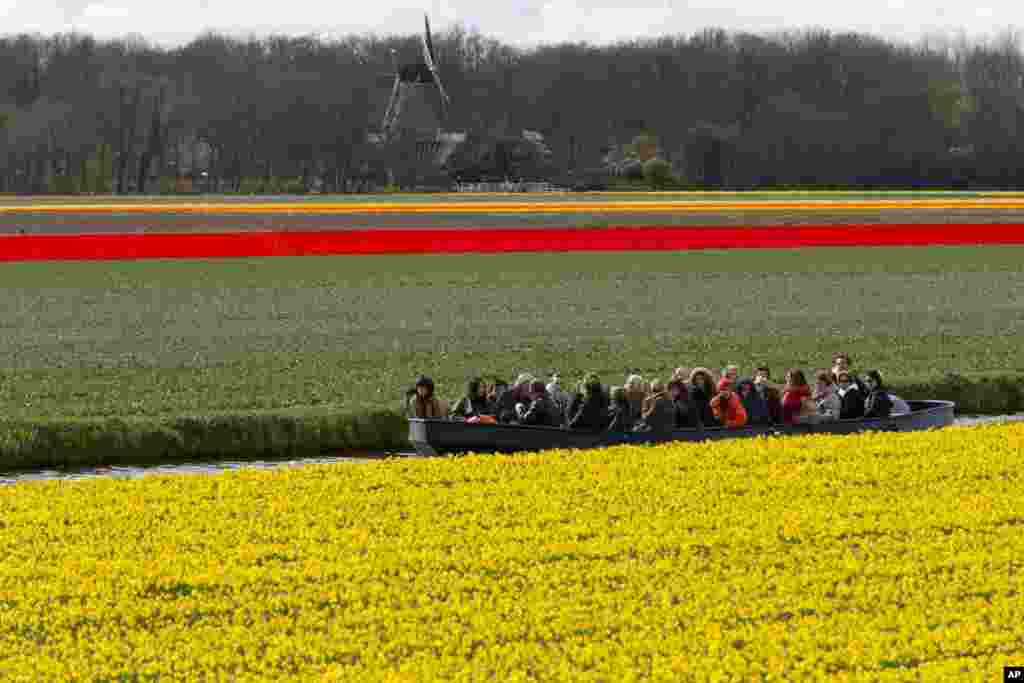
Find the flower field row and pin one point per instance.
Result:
(460, 204)
(459, 240)
(868, 557)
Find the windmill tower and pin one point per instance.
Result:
(413, 125)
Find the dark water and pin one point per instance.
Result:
(212, 467)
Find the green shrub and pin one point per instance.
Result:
(251, 186)
(64, 184)
(658, 173)
(168, 185)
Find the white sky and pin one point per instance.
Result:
(518, 22)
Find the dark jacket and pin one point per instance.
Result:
(774, 400)
(470, 407)
(636, 403)
(702, 407)
(878, 403)
(855, 381)
(543, 412)
(505, 406)
(685, 413)
(575, 402)
(757, 404)
(659, 413)
(592, 413)
(472, 404)
(852, 403)
(620, 417)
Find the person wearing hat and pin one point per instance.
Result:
(422, 402)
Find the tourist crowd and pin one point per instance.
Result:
(693, 398)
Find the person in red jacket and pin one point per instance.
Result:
(728, 409)
(794, 394)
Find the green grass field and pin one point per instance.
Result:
(194, 337)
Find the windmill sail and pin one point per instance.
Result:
(431, 60)
(415, 115)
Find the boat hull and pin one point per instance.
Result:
(442, 437)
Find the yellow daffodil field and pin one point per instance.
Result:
(867, 557)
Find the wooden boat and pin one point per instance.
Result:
(440, 437)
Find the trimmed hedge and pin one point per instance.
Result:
(86, 442)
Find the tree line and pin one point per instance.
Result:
(714, 109)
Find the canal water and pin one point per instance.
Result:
(211, 467)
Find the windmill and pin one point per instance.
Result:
(418, 108)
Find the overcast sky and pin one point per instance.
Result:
(519, 22)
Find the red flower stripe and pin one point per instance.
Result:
(438, 241)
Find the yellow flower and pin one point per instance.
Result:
(868, 557)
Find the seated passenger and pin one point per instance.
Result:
(423, 403)
(560, 396)
(541, 411)
(474, 403)
(796, 397)
(494, 393)
(592, 411)
(841, 363)
(682, 374)
(504, 405)
(620, 414)
(635, 394)
(521, 389)
(827, 402)
(850, 397)
(877, 403)
(728, 409)
(702, 390)
(519, 392)
(754, 402)
(659, 412)
(731, 373)
(685, 415)
(770, 392)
